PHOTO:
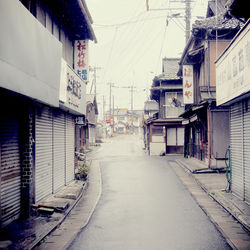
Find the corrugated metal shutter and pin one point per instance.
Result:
(10, 168)
(236, 141)
(70, 148)
(246, 146)
(58, 149)
(43, 154)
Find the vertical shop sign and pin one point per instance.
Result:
(81, 59)
(188, 84)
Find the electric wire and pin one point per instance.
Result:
(139, 56)
(135, 46)
(163, 40)
(110, 53)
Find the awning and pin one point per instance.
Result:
(193, 118)
(193, 110)
(185, 122)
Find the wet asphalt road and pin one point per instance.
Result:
(144, 205)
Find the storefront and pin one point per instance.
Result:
(13, 116)
(54, 150)
(233, 75)
(166, 136)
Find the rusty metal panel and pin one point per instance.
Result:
(10, 168)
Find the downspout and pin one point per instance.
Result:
(209, 133)
(208, 69)
(209, 106)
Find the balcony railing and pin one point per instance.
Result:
(171, 112)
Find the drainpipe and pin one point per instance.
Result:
(209, 106)
(209, 133)
(208, 69)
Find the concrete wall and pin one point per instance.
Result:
(157, 148)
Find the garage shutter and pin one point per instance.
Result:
(10, 168)
(43, 148)
(236, 141)
(58, 150)
(70, 148)
(246, 146)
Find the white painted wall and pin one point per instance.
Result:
(157, 148)
(157, 138)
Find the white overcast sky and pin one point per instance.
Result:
(131, 45)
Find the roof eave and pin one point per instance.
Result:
(88, 19)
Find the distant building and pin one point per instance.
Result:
(165, 130)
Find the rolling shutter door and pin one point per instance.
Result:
(10, 168)
(70, 148)
(246, 173)
(43, 137)
(236, 141)
(58, 150)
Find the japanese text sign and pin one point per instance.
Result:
(188, 84)
(233, 69)
(81, 59)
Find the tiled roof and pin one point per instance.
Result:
(217, 23)
(169, 76)
(170, 65)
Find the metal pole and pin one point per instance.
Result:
(187, 19)
(110, 99)
(103, 107)
(113, 121)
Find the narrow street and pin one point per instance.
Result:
(144, 205)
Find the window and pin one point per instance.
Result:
(157, 130)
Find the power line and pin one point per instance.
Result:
(163, 39)
(110, 53)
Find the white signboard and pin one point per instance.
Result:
(81, 61)
(188, 84)
(233, 69)
(72, 90)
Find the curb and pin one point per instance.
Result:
(90, 213)
(37, 241)
(215, 197)
(187, 170)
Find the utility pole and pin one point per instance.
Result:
(187, 18)
(94, 80)
(132, 98)
(103, 107)
(110, 85)
(132, 104)
(110, 114)
(187, 15)
(113, 113)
